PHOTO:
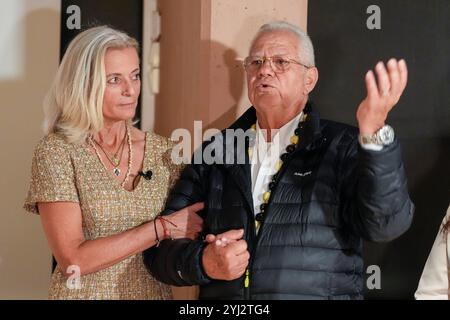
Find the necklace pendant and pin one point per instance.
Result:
(115, 161)
(116, 171)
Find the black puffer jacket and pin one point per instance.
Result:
(330, 195)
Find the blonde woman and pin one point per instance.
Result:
(99, 183)
(434, 283)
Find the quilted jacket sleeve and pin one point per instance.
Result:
(376, 203)
(178, 262)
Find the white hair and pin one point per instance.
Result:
(306, 48)
(74, 103)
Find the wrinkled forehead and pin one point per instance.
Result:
(277, 42)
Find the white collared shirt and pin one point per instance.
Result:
(265, 157)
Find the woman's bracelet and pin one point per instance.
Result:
(156, 233)
(167, 234)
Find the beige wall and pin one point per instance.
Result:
(185, 37)
(29, 49)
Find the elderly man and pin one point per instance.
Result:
(292, 228)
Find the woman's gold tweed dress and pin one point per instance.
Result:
(70, 172)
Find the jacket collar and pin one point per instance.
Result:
(241, 172)
(309, 140)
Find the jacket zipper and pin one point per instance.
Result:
(247, 279)
(247, 271)
(251, 239)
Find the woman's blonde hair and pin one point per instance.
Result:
(74, 104)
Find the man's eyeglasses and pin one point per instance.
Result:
(278, 64)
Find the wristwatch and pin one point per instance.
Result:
(382, 137)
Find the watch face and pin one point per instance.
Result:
(386, 135)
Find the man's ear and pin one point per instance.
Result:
(311, 78)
